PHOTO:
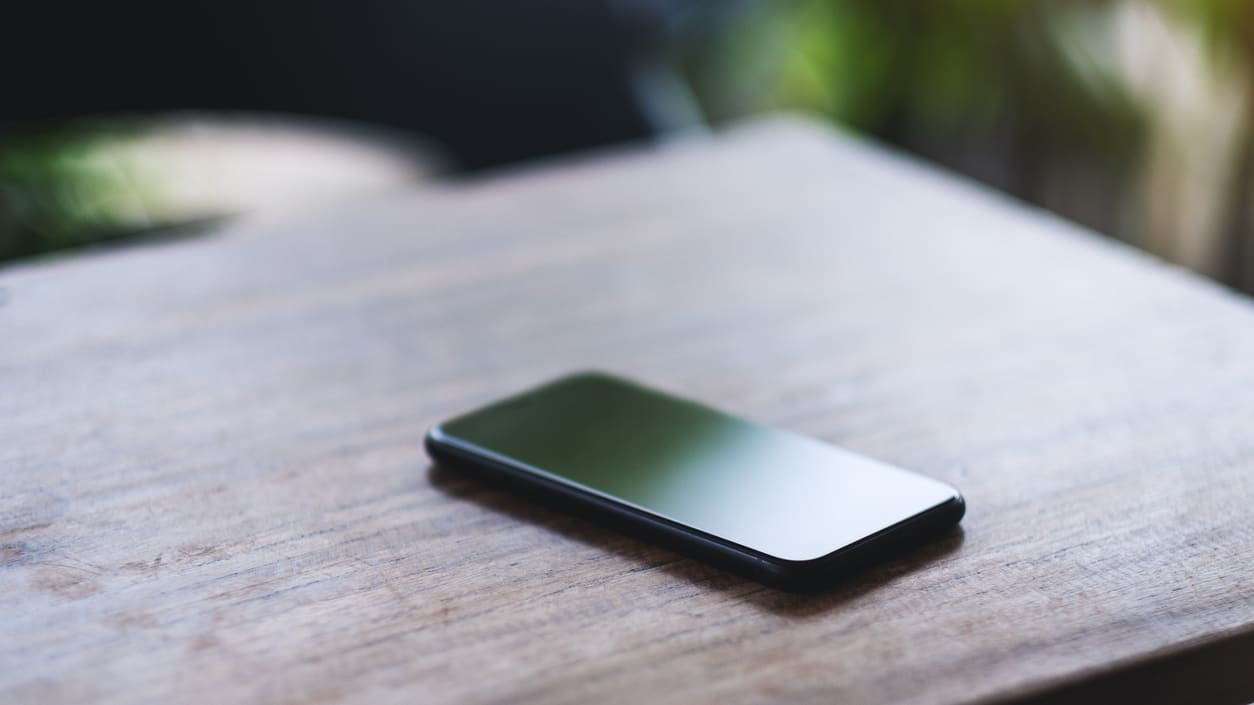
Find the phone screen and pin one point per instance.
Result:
(776, 492)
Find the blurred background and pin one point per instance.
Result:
(133, 120)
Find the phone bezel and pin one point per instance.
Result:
(458, 454)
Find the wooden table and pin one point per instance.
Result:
(213, 486)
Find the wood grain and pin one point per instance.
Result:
(213, 489)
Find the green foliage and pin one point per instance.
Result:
(55, 190)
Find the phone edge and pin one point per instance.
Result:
(777, 572)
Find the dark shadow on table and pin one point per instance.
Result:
(1215, 673)
(537, 511)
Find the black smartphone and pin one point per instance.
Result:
(785, 509)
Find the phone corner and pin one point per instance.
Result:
(591, 374)
(434, 439)
(957, 506)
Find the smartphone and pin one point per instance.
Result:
(785, 509)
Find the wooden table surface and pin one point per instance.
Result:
(213, 487)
